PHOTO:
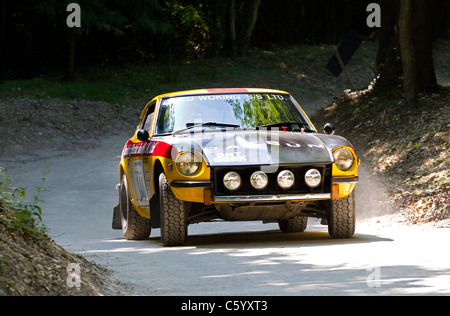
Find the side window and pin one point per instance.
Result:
(147, 123)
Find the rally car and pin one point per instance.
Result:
(233, 155)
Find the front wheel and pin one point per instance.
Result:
(341, 221)
(173, 215)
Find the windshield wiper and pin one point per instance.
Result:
(282, 124)
(193, 125)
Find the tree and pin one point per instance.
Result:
(407, 52)
(190, 37)
(243, 17)
(232, 25)
(116, 17)
(423, 29)
(406, 46)
(388, 60)
(216, 21)
(95, 16)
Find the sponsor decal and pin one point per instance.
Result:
(148, 149)
(140, 182)
(230, 157)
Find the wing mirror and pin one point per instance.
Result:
(329, 129)
(143, 135)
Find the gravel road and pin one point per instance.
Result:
(384, 257)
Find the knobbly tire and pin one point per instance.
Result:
(295, 224)
(173, 216)
(341, 222)
(134, 226)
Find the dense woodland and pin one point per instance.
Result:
(35, 39)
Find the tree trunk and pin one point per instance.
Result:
(443, 21)
(409, 36)
(388, 64)
(217, 26)
(233, 23)
(407, 52)
(251, 10)
(70, 66)
(424, 17)
(233, 37)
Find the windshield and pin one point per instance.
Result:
(225, 110)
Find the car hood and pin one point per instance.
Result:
(241, 148)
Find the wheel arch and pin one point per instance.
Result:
(155, 212)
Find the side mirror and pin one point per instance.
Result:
(143, 135)
(329, 129)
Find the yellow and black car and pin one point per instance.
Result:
(233, 155)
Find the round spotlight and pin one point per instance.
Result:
(313, 178)
(286, 179)
(259, 180)
(232, 181)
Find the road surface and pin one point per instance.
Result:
(232, 258)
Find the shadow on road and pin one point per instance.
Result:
(255, 261)
(271, 238)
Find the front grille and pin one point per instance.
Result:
(272, 189)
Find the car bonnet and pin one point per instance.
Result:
(255, 147)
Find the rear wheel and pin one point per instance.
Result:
(295, 224)
(134, 226)
(174, 225)
(341, 222)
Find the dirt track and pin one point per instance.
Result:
(231, 258)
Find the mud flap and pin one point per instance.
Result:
(117, 221)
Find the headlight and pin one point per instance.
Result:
(286, 179)
(259, 180)
(232, 181)
(343, 158)
(189, 163)
(313, 178)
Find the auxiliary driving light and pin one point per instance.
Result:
(232, 181)
(313, 178)
(286, 179)
(259, 180)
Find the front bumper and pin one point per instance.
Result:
(204, 191)
(272, 198)
(352, 180)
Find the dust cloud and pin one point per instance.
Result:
(371, 196)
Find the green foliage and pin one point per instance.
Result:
(115, 16)
(192, 31)
(15, 213)
(144, 16)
